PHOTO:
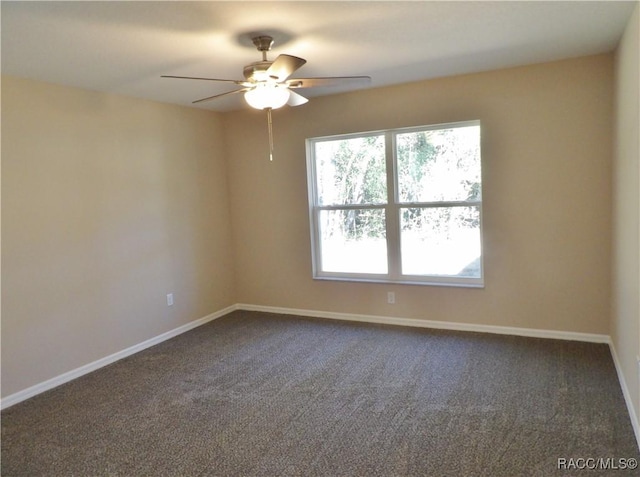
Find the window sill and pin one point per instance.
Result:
(476, 283)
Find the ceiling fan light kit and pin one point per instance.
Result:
(267, 95)
(267, 84)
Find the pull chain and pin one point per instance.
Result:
(270, 134)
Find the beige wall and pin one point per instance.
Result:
(625, 329)
(108, 204)
(547, 197)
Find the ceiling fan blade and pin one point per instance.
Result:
(284, 66)
(296, 99)
(205, 79)
(220, 95)
(328, 81)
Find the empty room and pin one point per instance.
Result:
(320, 238)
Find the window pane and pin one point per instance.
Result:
(351, 171)
(441, 241)
(439, 165)
(353, 241)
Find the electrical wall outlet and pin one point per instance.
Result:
(169, 299)
(391, 298)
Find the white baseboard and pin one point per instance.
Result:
(627, 395)
(87, 368)
(442, 325)
(504, 330)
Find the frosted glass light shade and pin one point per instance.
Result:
(267, 95)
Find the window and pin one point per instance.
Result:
(402, 205)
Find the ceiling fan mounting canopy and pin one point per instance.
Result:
(263, 42)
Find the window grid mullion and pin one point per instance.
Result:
(426, 205)
(350, 207)
(392, 211)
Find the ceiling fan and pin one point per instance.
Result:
(267, 84)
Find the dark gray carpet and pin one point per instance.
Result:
(255, 394)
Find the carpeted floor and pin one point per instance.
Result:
(255, 394)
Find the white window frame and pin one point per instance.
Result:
(392, 213)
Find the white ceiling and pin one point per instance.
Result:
(124, 47)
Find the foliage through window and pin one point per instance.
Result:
(401, 205)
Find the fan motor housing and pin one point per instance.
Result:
(257, 71)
